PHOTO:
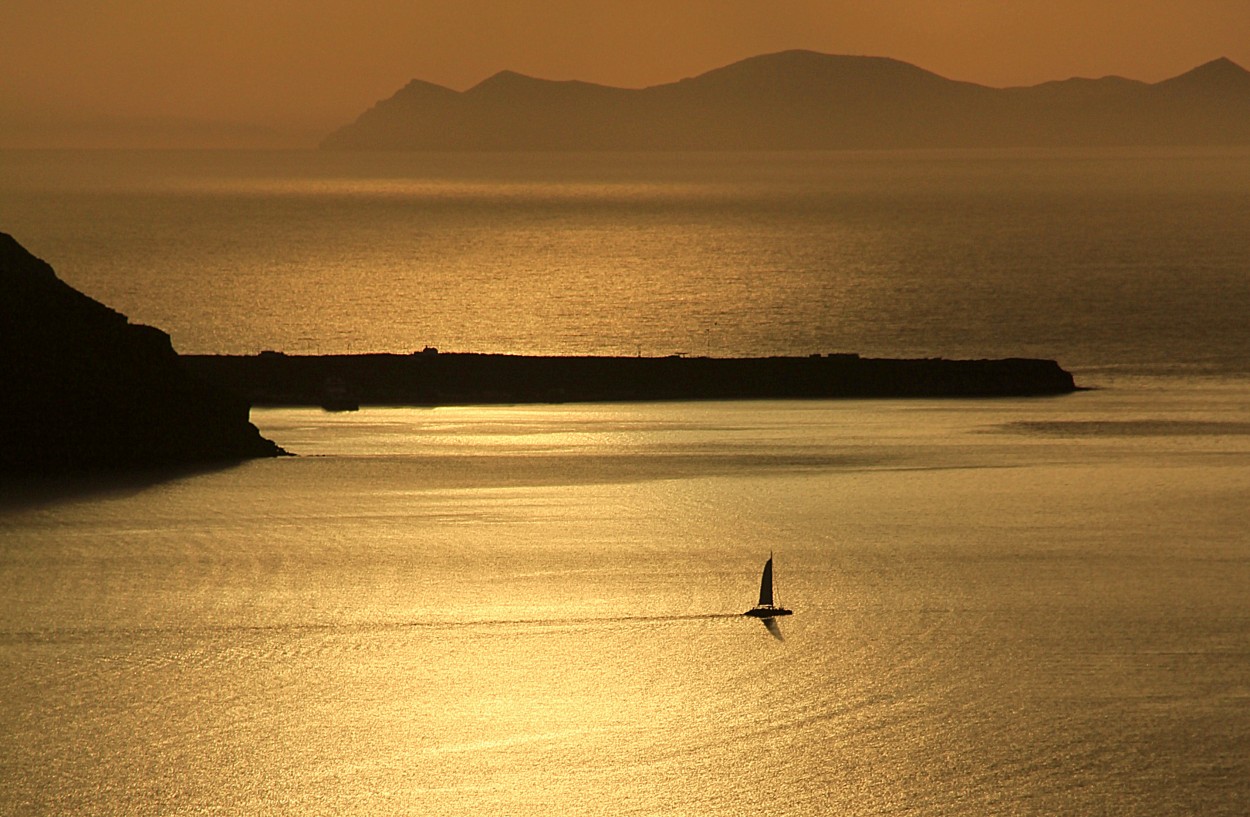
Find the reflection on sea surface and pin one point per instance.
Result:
(1003, 606)
(1129, 260)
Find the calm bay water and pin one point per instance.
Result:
(1002, 607)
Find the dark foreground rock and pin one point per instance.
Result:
(83, 389)
(344, 381)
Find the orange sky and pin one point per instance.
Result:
(306, 66)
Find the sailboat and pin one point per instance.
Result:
(766, 608)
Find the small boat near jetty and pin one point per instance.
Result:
(766, 607)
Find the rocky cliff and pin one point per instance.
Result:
(82, 388)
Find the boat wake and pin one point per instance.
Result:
(575, 621)
(209, 631)
(767, 610)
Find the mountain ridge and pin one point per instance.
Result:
(802, 99)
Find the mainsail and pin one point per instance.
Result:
(766, 609)
(766, 584)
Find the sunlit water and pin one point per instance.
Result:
(1116, 261)
(1001, 607)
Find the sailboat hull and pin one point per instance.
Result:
(767, 612)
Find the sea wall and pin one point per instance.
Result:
(427, 378)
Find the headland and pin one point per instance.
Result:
(86, 390)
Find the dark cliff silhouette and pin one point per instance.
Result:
(802, 100)
(85, 389)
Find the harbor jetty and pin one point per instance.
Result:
(430, 378)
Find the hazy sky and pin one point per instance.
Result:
(310, 65)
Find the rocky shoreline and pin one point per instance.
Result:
(86, 390)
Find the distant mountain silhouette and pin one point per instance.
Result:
(804, 100)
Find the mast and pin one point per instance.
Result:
(766, 583)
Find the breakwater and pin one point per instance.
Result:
(431, 378)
